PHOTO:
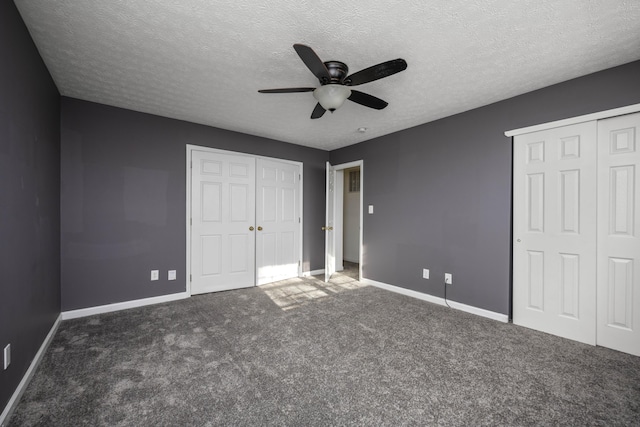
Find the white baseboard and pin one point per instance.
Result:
(437, 300)
(312, 273)
(90, 311)
(15, 398)
(404, 291)
(479, 311)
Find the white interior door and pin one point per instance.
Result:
(330, 244)
(554, 248)
(618, 234)
(222, 218)
(278, 220)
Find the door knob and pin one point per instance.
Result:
(324, 228)
(329, 228)
(259, 228)
(251, 228)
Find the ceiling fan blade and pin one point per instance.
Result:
(313, 62)
(367, 100)
(288, 90)
(376, 72)
(318, 111)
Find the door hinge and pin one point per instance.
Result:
(299, 220)
(299, 262)
(191, 164)
(299, 177)
(190, 278)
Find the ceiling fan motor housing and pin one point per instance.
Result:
(338, 72)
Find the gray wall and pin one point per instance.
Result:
(124, 200)
(442, 191)
(29, 199)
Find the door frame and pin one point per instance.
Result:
(189, 149)
(342, 167)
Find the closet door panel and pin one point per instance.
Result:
(278, 220)
(222, 215)
(554, 269)
(618, 323)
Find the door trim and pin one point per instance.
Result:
(634, 108)
(189, 149)
(342, 166)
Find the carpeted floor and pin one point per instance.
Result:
(302, 352)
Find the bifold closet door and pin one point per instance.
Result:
(554, 235)
(222, 222)
(618, 229)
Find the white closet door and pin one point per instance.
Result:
(554, 247)
(277, 220)
(223, 215)
(618, 234)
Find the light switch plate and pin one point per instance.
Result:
(370, 209)
(171, 275)
(425, 273)
(7, 356)
(155, 274)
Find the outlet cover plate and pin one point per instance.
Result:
(425, 273)
(448, 278)
(171, 275)
(155, 274)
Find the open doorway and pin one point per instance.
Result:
(345, 212)
(351, 222)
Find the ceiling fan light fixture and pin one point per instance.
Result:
(335, 81)
(332, 96)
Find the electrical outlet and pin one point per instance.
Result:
(7, 356)
(425, 273)
(171, 275)
(448, 278)
(155, 274)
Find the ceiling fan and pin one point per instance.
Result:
(335, 82)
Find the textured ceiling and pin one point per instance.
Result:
(204, 61)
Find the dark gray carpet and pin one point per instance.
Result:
(302, 352)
